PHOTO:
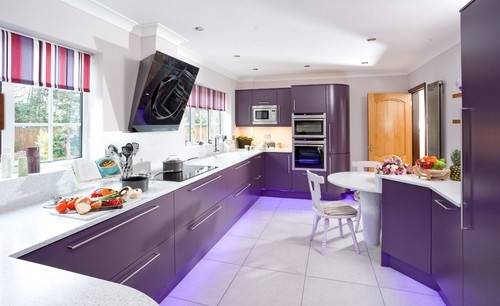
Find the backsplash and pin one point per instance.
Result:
(279, 135)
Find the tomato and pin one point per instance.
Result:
(71, 204)
(106, 191)
(62, 207)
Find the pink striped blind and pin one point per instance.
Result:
(28, 60)
(206, 98)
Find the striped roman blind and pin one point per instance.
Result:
(207, 98)
(32, 61)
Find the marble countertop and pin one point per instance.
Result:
(32, 227)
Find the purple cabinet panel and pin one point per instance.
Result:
(337, 163)
(284, 101)
(195, 199)
(406, 220)
(309, 99)
(278, 174)
(338, 119)
(243, 107)
(300, 183)
(264, 97)
(447, 250)
(481, 196)
(154, 273)
(109, 247)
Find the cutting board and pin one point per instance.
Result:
(87, 217)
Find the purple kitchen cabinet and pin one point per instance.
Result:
(109, 247)
(154, 273)
(278, 173)
(300, 183)
(284, 101)
(337, 163)
(264, 97)
(243, 101)
(309, 99)
(480, 24)
(406, 224)
(338, 119)
(195, 199)
(447, 250)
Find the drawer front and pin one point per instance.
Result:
(300, 183)
(195, 199)
(107, 248)
(154, 273)
(194, 240)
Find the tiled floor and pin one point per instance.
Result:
(266, 259)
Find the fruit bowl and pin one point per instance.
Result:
(432, 174)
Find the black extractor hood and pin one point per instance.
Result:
(164, 84)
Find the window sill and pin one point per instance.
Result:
(47, 168)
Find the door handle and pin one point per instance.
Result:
(205, 218)
(147, 263)
(288, 163)
(205, 184)
(242, 190)
(445, 207)
(241, 166)
(467, 183)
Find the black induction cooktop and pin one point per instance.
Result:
(188, 171)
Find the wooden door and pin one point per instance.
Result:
(390, 126)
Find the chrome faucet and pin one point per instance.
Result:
(219, 140)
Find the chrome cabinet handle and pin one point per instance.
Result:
(79, 244)
(467, 148)
(288, 163)
(241, 166)
(242, 190)
(440, 203)
(293, 104)
(147, 263)
(258, 177)
(205, 184)
(330, 163)
(262, 102)
(205, 218)
(278, 114)
(258, 157)
(330, 134)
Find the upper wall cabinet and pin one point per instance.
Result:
(245, 99)
(309, 98)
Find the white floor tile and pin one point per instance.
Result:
(287, 232)
(170, 301)
(231, 249)
(334, 240)
(293, 216)
(206, 283)
(248, 228)
(254, 214)
(267, 203)
(392, 279)
(403, 298)
(328, 292)
(342, 265)
(279, 256)
(255, 287)
(302, 204)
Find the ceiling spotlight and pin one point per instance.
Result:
(307, 66)
(199, 28)
(371, 39)
(255, 69)
(236, 55)
(364, 63)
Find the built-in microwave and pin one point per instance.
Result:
(309, 155)
(265, 114)
(309, 126)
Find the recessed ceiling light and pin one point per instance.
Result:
(307, 66)
(236, 55)
(364, 63)
(255, 69)
(371, 39)
(199, 28)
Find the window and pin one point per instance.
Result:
(48, 118)
(202, 125)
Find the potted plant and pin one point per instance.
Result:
(243, 141)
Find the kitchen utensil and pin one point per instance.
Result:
(173, 164)
(107, 166)
(135, 182)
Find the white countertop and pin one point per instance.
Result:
(30, 228)
(371, 182)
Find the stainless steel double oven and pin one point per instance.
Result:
(309, 142)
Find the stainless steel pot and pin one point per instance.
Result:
(173, 164)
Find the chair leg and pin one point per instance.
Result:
(358, 218)
(341, 229)
(315, 226)
(325, 230)
(353, 234)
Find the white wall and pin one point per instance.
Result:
(446, 67)
(359, 88)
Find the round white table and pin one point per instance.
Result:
(369, 186)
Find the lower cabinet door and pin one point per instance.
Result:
(301, 184)
(197, 237)
(154, 273)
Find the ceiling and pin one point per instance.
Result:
(279, 37)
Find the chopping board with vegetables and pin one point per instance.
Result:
(98, 203)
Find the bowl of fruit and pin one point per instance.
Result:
(431, 168)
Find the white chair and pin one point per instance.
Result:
(361, 166)
(329, 210)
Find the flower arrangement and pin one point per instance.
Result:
(393, 166)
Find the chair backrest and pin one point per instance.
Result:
(364, 165)
(315, 182)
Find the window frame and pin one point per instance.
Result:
(10, 125)
(188, 127)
